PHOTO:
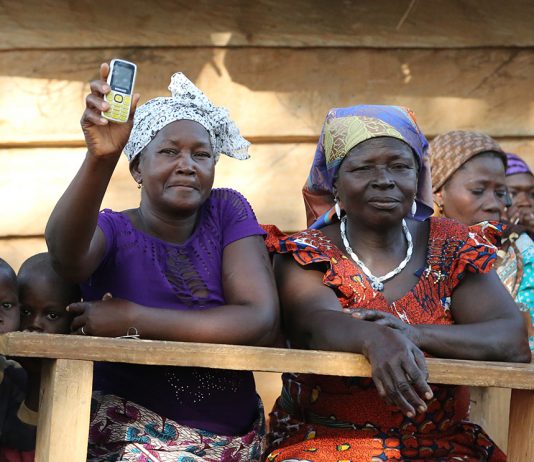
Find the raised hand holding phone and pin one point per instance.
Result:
(104, 138)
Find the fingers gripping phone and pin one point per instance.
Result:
(121, 79)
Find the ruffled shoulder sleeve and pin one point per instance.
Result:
(307, 247)
(476, 250)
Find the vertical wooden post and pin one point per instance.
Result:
(490, 409)
(64, 411)
(521, 431)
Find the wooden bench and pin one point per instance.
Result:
(68, 371)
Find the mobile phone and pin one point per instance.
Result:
(121, 79)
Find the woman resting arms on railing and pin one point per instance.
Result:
(376, 281)
(189, 264)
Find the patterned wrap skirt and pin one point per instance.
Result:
(124, 431)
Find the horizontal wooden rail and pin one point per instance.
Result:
(66, 381)
(156, 352)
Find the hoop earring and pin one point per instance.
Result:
(337, 208)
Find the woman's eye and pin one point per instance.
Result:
(52, 316)
(204, 154)
(7, 305)
(477, 192)
(25, 312)
(400, 166)
(168, 152)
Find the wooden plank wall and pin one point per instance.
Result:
(277, 66)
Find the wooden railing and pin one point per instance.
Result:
(68, 371)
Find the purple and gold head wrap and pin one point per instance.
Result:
(516, 165)
(345, 128)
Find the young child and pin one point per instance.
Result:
(44, 297)
(17, 421)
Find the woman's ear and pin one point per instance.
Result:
(135, 169)
(438, 202)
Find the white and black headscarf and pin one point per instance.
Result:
(186, 103)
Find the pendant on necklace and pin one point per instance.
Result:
(377, 286)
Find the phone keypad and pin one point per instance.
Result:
(119, 103)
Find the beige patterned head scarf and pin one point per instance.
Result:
(448, 152)
(186, 103)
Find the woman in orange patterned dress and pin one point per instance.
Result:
(436, 293)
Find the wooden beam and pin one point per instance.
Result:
(64, 411)
(280, 93)
(520, 441)
(274, 172)
(299, 23)
(271, 180)
(17, 249)
(152, 352)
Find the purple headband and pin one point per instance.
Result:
(516, 165)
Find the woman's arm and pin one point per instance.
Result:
(488, 325)
(74, 241)
(250, 316)
(314, 320)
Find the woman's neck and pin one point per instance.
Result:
(368, 241)
(173, 229)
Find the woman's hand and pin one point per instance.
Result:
(104, 138)
(522, 216)
(109, 317)
(385, 319)
(399, 371)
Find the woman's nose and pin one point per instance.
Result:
(382, 179)
(184, 164)
(495, 204)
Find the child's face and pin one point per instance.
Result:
(9, 304)
(43, 308)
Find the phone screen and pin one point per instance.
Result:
(122, 77)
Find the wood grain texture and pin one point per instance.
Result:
(520, 441)
(279, 93)
(63, 425)
(446, 371)
(490, 408)
(299, 23)
(271, 180)
(16, 250)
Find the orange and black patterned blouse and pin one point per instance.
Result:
(319, 418)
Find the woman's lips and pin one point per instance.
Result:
(383, 204)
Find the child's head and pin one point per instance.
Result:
(9, 302)
(44, 296)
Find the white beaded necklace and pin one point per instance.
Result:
(377, 282)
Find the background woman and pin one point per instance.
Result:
(189, 264)
(470, 185)
(520, 183)
(373, 281)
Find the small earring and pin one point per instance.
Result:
(139, 185)
(414, 208)
(337, 208)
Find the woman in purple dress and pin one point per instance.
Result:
(189, 264)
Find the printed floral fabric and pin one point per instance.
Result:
(525, 294)
(124, 431)
(320, 419)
